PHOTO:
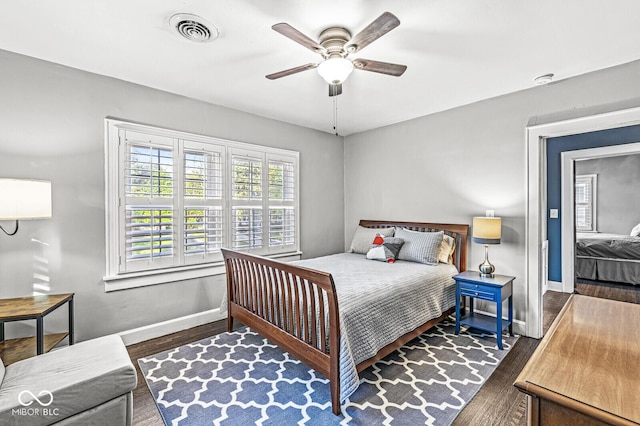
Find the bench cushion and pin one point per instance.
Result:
(66, 381)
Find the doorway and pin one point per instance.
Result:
(537, 198)
(569, 159)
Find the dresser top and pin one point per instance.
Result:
(589, 356)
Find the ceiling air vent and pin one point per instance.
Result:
(193, 27)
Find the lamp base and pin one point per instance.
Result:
(486, 268)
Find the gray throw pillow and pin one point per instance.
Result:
(421, 247)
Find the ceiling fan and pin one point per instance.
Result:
(335, 44)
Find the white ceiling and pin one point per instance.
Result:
(457, 51)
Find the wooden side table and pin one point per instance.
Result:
(494, 289)
(29, 308)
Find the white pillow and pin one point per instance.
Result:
(363, 238)
(635, 232)
(448, 246)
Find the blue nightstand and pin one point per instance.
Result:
(494, 289)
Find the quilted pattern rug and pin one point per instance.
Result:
(240, 378)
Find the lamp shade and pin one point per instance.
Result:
(487, 230)
(335, 70)
(22, 199)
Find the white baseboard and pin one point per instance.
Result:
(554, 286)
(163, 328)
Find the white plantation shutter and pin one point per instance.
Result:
(148, 210)
(174, 199)
(203, 219)
(247, 200)
(282, 197)
(585, 202)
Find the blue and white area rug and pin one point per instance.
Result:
(240, 378)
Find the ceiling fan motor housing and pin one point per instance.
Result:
(333, 40)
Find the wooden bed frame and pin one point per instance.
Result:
(285, 303)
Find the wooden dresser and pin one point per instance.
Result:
(586, 370)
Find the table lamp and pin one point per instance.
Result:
(487, 230)
(24, 199)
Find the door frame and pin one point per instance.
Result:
(567, 193)
(536, 202)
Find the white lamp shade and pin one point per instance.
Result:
(335, 70)
(487, 230)
(22, 199)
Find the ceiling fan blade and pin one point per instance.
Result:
(382, 25)
(380, 67)
(295, 35)
(335, 89)
(290, 71)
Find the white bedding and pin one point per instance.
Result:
(379, 302)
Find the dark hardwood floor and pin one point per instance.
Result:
(606, 290)
(497, 403)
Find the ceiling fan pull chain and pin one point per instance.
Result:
(335, 115)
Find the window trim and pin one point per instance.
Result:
(114, 279)
(593, 203)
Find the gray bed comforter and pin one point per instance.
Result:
(607, 246)
(379, 302)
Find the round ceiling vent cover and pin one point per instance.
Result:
(193, 27)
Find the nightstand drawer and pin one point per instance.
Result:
(478, 294)
(478, 290)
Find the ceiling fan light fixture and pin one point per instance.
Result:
(335, 70)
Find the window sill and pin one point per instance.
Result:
(146, 278)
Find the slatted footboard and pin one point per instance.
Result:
(296, 307)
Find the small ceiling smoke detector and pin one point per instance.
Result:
(193, 27)
(543, 79)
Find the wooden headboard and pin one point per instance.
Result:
(459, 232)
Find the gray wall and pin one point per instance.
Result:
(445, 167)
(451, 166)
(52, 127)
(618, 195)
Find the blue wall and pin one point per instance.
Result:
(555, 146)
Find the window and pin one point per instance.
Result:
(174, 199)
(585, 202)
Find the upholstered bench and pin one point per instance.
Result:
(89, 383)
